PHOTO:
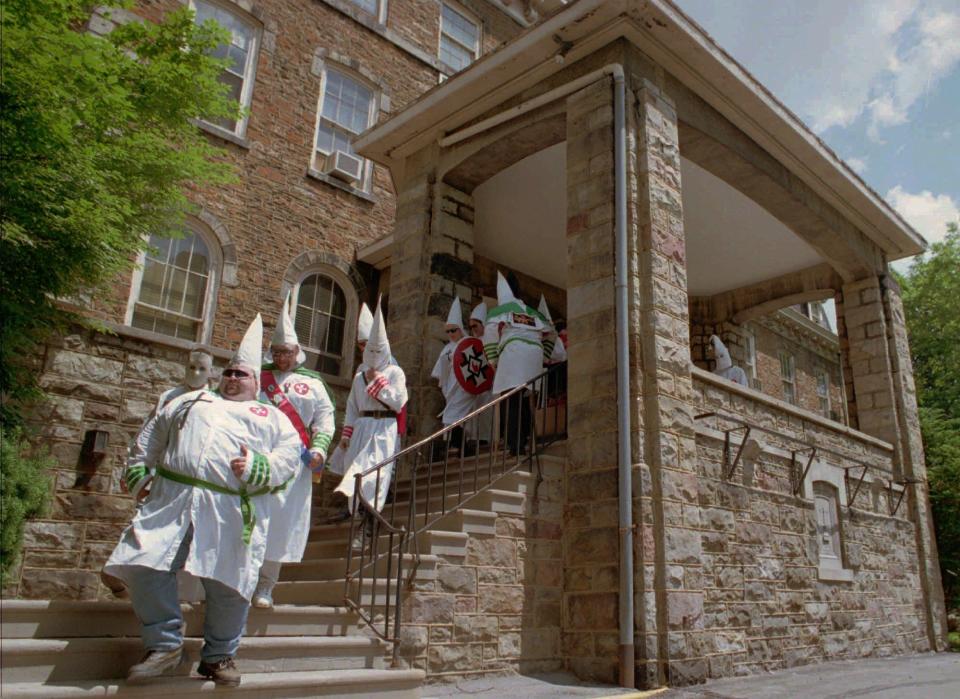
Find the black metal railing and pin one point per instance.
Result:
(436, 476)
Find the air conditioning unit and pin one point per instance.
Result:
(344, 166)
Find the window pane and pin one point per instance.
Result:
(453, 55)
(237, 51)
(324, 138)
(320, 332)
(460, 28)
(367, 6)
(346, 102)
(193, 300)
(151, 284)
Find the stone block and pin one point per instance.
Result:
(429, 609)
(52, 535)
(491, 552)
(475, 628)
(683, 545)
(84, 367)
(42, 583)
(454, 658)
(685, 610)
(413, 640)
(501, 599)
(459, 579)
(592, 611)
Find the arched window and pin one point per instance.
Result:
(174, 290)
(321, 322)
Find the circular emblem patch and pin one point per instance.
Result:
(259, 410)
(470, 366)
(301, 388)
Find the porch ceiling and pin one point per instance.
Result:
(731, 241)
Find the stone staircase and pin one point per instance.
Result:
(309, 645)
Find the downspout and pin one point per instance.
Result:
(624, 453)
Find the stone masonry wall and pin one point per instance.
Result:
(495, 610)
(764, 607)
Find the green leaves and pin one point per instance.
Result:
(98, 147)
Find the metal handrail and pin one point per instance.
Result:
(435, 491)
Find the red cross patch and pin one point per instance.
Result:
(301, 388)
(259, 410)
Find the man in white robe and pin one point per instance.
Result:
(302, 396)
(458, 402)
(216, 455)
(484, 427)
(724, 365)
(370, 436)
(513, 344)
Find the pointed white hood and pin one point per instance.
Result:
(479, 312)
(285, 333)
(504, 292)
(455, 316)
(250, 351)
(720, 354)
(376, 354)
(364, 324)
(545, 310)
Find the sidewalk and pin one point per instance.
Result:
(926, 676)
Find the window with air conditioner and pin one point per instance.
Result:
(347, 108)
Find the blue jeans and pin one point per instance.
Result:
(155, 601)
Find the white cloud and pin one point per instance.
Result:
(926, 212)
(859, 165)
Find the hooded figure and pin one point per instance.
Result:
(378, 393)
(553, 352)
(364, 325)
(512, 339)
(478, 318)
(218, 455)
(302, 396)
(724, 365)
(459, 403)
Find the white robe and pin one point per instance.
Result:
(197, 435)
(289, 511)
(735, 374)
(518, 354)
(372, 440)
(459, 403)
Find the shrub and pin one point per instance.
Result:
(24, 492)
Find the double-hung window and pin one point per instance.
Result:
(459, 37)
(823, 392)
(241, 52)
(320, 319)
(788, 377)
(375, 8)
(174, 290)
(347, 107)
(751, 359)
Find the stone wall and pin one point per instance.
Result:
(764, 608)
(496, 609)
(95, 381)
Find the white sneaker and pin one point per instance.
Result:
(262, 599)
(155, 663)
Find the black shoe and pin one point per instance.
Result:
(223, 672)
(341, 516)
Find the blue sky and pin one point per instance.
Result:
(877, 80)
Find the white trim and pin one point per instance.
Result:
(249, 70)
(203, 231)
(380, 16)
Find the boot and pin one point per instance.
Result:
(223, 672)
(156, 663)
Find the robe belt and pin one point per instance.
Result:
(247, 509)
(378, 413)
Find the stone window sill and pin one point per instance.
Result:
(222, 133)
(834, 574)
(334, 182)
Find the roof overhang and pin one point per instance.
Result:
(681, 47)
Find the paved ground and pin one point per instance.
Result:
(926, 676)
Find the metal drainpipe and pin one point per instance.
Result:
(624, 453)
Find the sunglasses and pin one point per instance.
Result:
(235, 374)
(283, 352)
(451, 331)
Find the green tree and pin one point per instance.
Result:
(97, 149)
(24, 491)
(931, 290)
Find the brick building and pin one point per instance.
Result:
(765, 527)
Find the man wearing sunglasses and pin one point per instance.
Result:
(216, 457)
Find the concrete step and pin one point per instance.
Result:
(469, 521)
(333, 568)
(65, 619)
(59, 660)
(329, 684)
(492, 500)
(331, 592)
(517, 481)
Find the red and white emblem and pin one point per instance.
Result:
(470, 366)
(259, 410)
(301, 388)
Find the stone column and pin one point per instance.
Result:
(670, 570)
(432, 262)
(590, 533)
(914, 465)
